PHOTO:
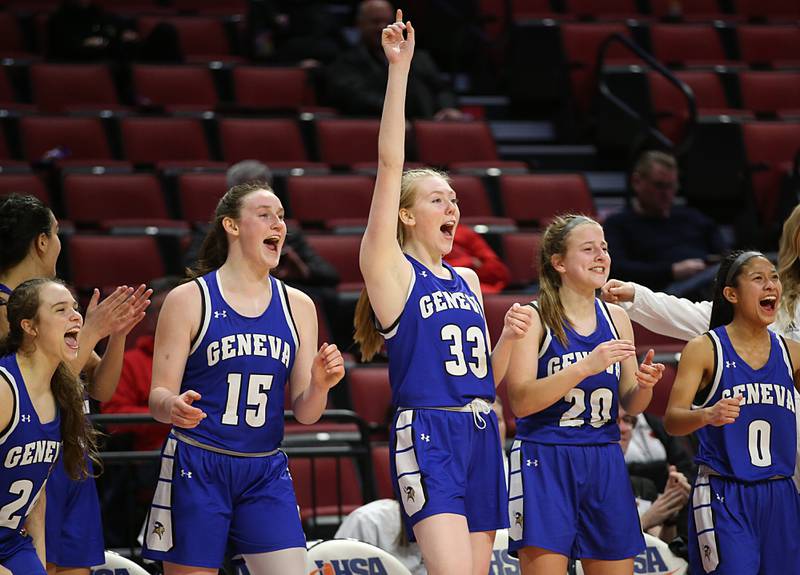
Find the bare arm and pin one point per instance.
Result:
(659, 312)
(636, 382)
(178, 321)
(34, 525)
(695, 371)
(386, 272)
(314, 371)
(530, 392)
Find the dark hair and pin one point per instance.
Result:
(554, 241)
(728, 274)
(77, 434)
(248, 172)
(214, 250)
(22, 219)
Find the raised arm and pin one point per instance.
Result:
(386, 272)
(530, 392)
(315, 371)
(659, 312)
(695, 371)
(178, 321)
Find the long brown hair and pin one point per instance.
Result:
(789, 263)
(554, 241)
(77, 435)
(214, 250)
(366, 334)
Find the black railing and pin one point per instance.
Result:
(646, 123)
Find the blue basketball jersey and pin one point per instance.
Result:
(438, 354)
(240, 366)
(588, 413)
(28, 450)
(762, 442)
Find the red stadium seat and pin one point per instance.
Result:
(770, 148)
(661, 392)
(442, 143)
(227, 8)
(495, 306)
(342, 253)
(199, 195)
(345, 142)
(82, 139)
(319, 482)
(267, 88)
(383, 473)
(107, 261)
(371, 397)
(156, 140)
(687, 44)
(175, 87)
(696, 10)
(520, 9)
(11, 45)
(771, 92)
(535, 199)
(327, 200)
(521, 255)
(93, 198)
(646, 339)
(26, 184)
(581, 43)
(773, 10)
(202, 39)
(778, 46)
(599, 9)
(58, 88)
(269, 141)
(474, 203)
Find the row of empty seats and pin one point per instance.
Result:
(330, 201)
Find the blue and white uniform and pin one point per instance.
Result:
(745, 508)
(445, 448)
(221, 479)
(28, 450)
(569, 490)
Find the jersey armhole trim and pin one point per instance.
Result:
(547, 335)
(786, 355)
(607, 313)
(702, 397)
(205, 314)
(389, 332)
(287, 310)
(12, 423)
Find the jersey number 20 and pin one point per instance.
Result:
(23, 488)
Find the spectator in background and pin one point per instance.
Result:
(656, 243)
(133, 389)
(356, 81)
(658, 512)
(651, 450)
(80, 30)
(300, 266)
(470, 250)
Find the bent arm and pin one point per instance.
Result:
(308, 399)
(668, 315)
(34, 525)
(694, 372)
(632, 396)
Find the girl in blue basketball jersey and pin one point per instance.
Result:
(735, 390)
(29, 248)
(447, 462)
(227, 346)
(569, 493)
(41, 404)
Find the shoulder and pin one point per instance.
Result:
(184, 294)
(470, 277)
(299, 300)
(6, 402)
(620, 318)
(793, 347)
(698, 348)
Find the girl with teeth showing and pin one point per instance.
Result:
(41, 405)
(227, 345)
(447, 463)
(569, 491)
(29, 248)
(735, 390)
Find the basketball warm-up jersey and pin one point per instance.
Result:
(240, 366)
(587, 414)
(28, 450)
(762, 442)
(438, 351)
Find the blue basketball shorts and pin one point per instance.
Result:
(743, 528)
(441, 462)
(18, 555)
(208, 505)
(575, 500)
(73, 526)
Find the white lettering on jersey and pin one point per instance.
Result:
(41, 451)
(243, 344)
(443, 300)
(762, 393)
(556, 364)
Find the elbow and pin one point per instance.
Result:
(519, 404)
(670, 425)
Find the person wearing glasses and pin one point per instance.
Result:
(658, 243)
